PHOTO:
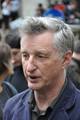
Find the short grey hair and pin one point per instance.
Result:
(64, 38)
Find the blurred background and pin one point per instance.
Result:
(12, 12)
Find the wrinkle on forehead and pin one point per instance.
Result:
(40, 41)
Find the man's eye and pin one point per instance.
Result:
(25, 56)
(42, 56)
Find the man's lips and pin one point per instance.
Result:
(33, 78)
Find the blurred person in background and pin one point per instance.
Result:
(39, 10)
(6, 89)
(76, 4)
(59, 6)
(5, 60)
(69, 14)
(73, 71)
(6, 9)
(46, 49)
(18, 79)
(52, 11)
(15, 5)
(72, 12)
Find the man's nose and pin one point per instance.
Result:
(31, 65)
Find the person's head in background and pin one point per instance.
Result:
(46, 49)
(76, 53)
(39, 10)
(5, 60)
(13, 40)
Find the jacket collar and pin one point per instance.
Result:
(65, 101)
(67, 98)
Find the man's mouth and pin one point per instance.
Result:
(33, 78)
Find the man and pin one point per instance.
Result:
(46, 48)
(17, 79)
(73, 71)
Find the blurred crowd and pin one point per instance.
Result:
(68, 10)
(9, 11)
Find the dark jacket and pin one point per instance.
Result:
(67, 107)
(17, 79)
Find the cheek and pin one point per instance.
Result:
(51, 68)
(46, 69)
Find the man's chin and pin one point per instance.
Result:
(33, 87)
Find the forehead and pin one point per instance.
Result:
(15, 50)
(40, 41)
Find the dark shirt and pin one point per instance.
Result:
(44, 115)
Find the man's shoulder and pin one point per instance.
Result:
(76, 106)
(20, 95)
(78, 94)
(17, 99)
(75, 97)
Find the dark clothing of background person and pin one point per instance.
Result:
(6, 21)
(6, 13)
(18, 79)
(15, 6)
(67, 104)
(7, 92)
(73, 72)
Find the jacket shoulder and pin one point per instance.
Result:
(15, 101)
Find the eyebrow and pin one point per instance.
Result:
(44, 53)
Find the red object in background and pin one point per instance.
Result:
(59, 7)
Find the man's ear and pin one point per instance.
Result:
(67, 58)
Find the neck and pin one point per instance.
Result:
(46, 96)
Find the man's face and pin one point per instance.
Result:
(41, 62)
(16, 57)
